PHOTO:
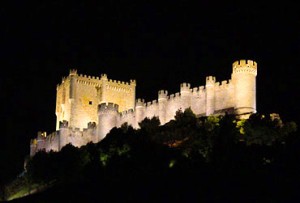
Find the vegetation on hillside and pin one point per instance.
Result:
(190, 158)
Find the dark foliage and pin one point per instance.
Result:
(189, 159)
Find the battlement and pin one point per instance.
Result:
(195, 89)
(162, 94)
(223, 85)
(128, 112)
(245, 63)
(118, 82)
(153, 102)
(94, 81)
(185, 87)
(198, 90)
(210, 80)
(104, 107)
(91, 125)
(175, 96)
(245, 66)
(103, 76)
(132, 82)
(140, 102)
(73, 72)
(88, 77)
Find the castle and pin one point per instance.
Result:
(87, 108)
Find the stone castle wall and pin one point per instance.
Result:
(87, 108)
(165, 106)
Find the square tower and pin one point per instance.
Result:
(78, 97)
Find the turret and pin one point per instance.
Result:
(244, 79)
(162, 105)
(139, 111)
(63, 134)
(210, 94)
(107, 118)
(185, 92)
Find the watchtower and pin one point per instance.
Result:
(244, 74)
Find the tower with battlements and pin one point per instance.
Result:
(87, 108)
(78, 97)
(244, 78)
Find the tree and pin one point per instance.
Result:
(41, 167)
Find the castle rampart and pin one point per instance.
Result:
(103, 103)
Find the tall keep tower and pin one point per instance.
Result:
(78, 97)
(244, 78)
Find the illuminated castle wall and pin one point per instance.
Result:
(87, 108)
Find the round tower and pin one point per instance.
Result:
(244, 79)
(185, 92)
(107, 118)
(162, 105)
(139, 111)
(64, 133)
(210, 94)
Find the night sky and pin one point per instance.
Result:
(159, 44)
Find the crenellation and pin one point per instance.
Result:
(195, 89)
(210, 80)
(73, 72)
(245, 66)
(185, 84)
(171, 96)
(97, 104)
(244, 62)
(185, 89)
(127, 112)
(140, 103)
(108, 107)
(224, 84)
(132, 82)
(162, 94)
(148, 103)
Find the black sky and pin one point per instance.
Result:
(158, 44)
